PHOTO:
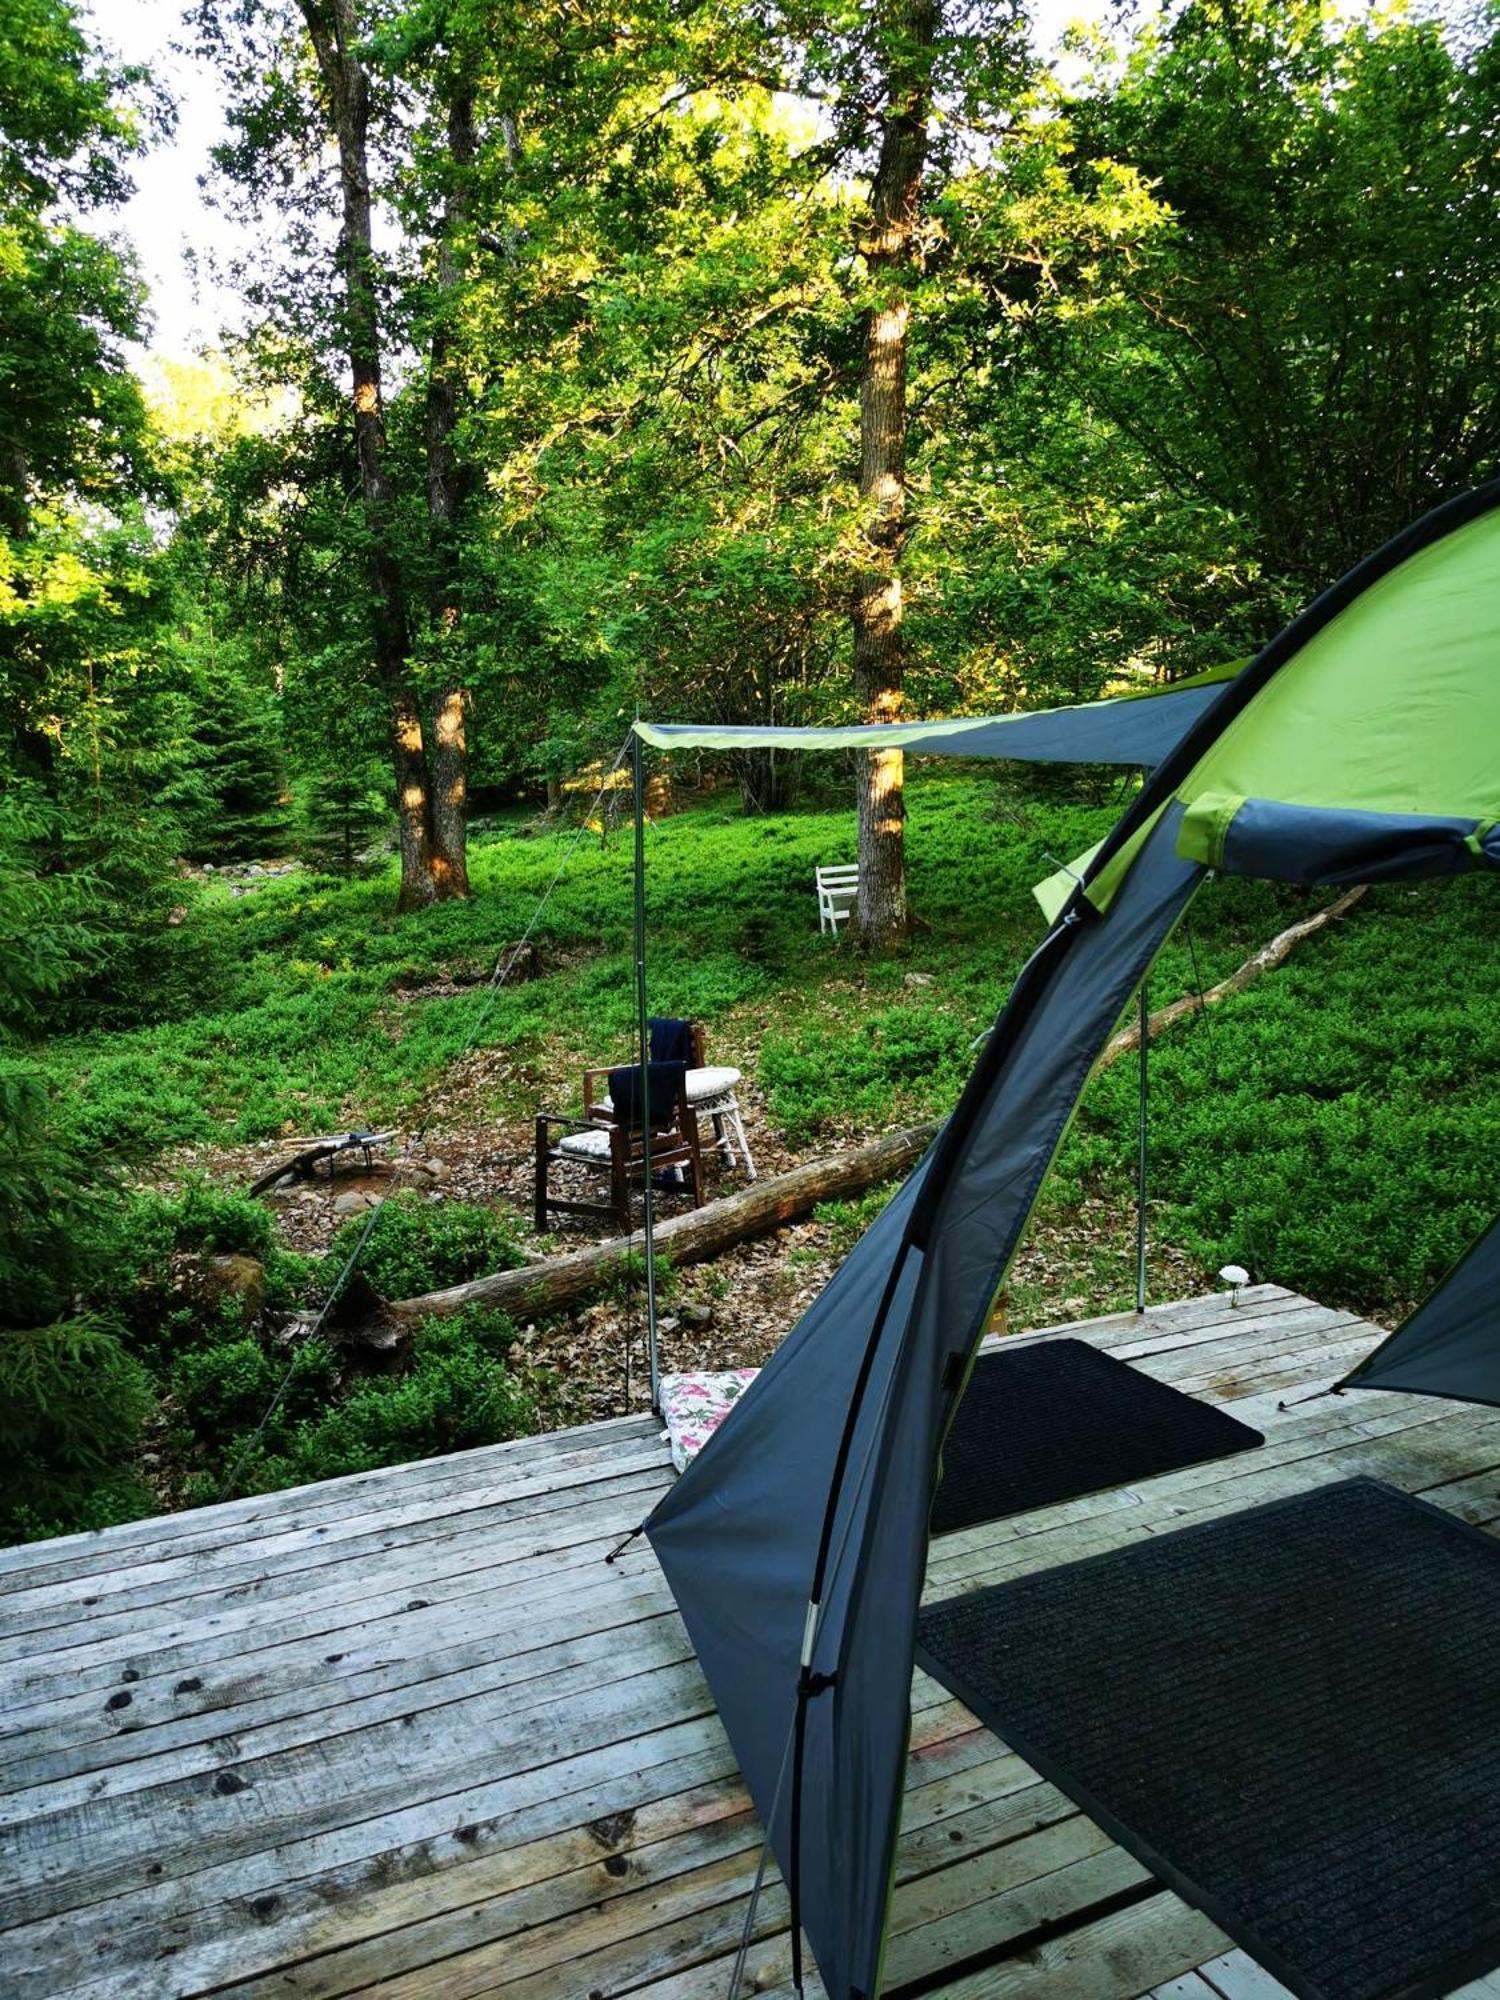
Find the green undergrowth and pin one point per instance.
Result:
(318, 1014)
(1331, 1128)
(190, 1379)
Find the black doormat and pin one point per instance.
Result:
(1291, 1716)
(1056, 1418)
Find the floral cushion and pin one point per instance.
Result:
(694, 1406)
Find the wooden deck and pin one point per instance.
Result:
(407, 1734)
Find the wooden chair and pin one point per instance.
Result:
(837, 889)
(612, 1143)
(712, 1088)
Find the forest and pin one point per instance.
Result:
(776, 360)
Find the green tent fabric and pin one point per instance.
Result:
(795, 1543)
(1387, 711)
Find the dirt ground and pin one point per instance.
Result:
(732, 1312)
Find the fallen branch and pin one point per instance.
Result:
(303, 1166)
(1265, 960)
(682, 1239)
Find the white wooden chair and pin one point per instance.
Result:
(837, 889)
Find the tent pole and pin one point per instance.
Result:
(643, 1031)
(1141, 1160)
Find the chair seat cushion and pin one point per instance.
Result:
(693, 1407)
(585, 1146)
(710, 1082)
(701, 1085)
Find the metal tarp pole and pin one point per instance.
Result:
(643, 1029)
(1141, 1161)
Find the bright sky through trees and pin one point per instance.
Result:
(169, 218)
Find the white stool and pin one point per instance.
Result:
(711, 1094)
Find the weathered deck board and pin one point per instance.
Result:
(406, 1734)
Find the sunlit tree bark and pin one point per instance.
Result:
(891, 246)
(449, 479)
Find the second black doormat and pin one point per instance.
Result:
(1052, 1419)
(1291, 1716)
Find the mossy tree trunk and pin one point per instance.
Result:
(891, 247)
(427, 875)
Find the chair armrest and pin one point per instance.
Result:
(589, 1078)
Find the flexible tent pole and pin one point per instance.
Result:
(1142, 1159)
(643, 1031)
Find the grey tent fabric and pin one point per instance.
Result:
(1450, 1346)
(1136, 729)
(1334, 847)
(738, 1535)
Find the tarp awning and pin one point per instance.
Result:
(1129, 729)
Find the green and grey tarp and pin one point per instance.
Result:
(1365, 736)
(1138, 728)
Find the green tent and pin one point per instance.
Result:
(1360, 746)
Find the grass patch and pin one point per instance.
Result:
(309, 1029)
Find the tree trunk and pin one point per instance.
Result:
(684, 1239)
(333, 31)
(768, 783)
(449, 482)
(891, 249)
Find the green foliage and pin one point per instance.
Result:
(453, 1398)
(227, 1388)
(54, 1214)
(419, 1246)
(906, 1056)
(344, 807)
(48, 932)
(234, 787)
(308, 1027)
(1186, 340)
(1308, 345)
(72, 1403)
(204, 1216)
(848, 1220)
(478, 1328)
(1330, 1127)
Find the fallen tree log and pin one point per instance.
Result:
(1269, 956)
(682, 1239)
